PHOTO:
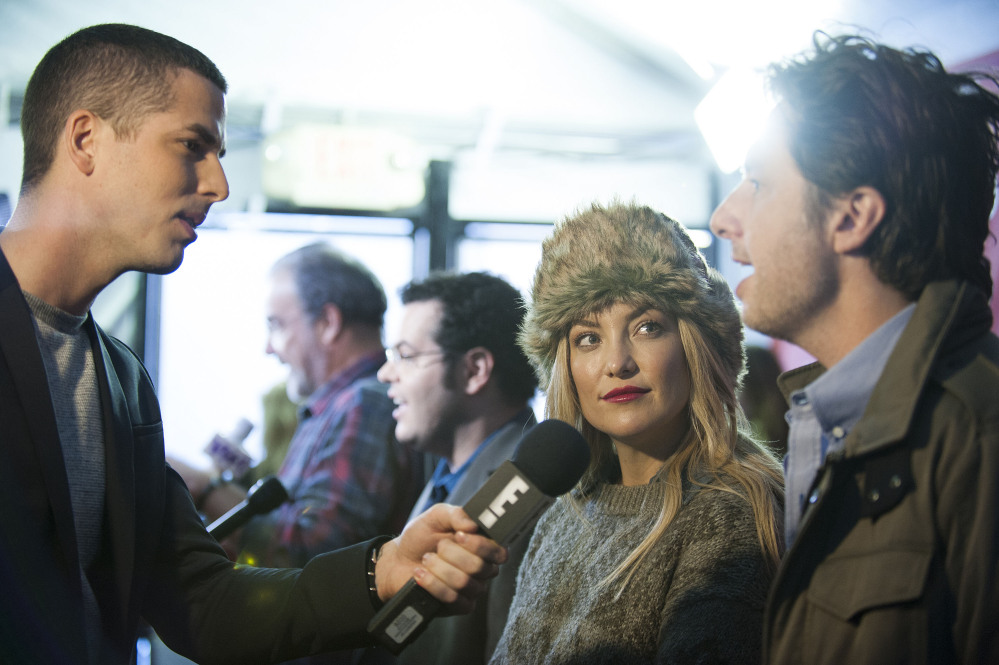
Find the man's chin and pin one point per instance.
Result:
(163, 270)
(762, 325)
(411, 440)
(295, 391)
(750, 321)
(163, 267)
(404, 438)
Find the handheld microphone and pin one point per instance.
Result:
(265, 495)
(227, 452)
(549, 461)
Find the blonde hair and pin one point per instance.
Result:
(636, 255)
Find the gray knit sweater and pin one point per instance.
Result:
(698, 597)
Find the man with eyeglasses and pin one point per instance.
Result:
(347, 476)
(461, 386)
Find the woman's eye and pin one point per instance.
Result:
(586, 339)
(649, 328)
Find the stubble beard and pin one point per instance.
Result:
(788, 312)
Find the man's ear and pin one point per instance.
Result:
(330, 323)
(478, 366)
(857, 216)
(80, 139)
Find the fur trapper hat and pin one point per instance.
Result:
(629, 253)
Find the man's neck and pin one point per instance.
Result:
(861, 308)
(350, 347)
(50, 259)
(470, 435)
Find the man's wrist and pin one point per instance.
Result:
(372, 565)
(212, 485)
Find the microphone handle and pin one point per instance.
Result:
(237, 516)
(404, 617)
(503, 508)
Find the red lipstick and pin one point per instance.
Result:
(624, 394)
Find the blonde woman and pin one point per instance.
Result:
(665, 550)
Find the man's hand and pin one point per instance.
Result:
(440, 550)
(214, 499)
(197, 480)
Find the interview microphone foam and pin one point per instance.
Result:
(549, 461)
(266, 494)
(553, 455)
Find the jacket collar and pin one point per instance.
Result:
(947, 313)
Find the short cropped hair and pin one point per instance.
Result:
(325, 276)
(121, 73)
(863, 114)
(480, 309)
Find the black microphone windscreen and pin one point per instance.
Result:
(553, 456)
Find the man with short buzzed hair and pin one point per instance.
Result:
(123, 133)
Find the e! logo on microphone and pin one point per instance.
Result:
(513, 490)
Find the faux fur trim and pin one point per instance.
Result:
(628, 253)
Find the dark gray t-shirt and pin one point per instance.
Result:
(69, 367)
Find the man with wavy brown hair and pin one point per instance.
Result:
(864, 211)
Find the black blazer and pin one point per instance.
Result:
(157, 561)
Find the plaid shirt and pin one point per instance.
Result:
(348, 478)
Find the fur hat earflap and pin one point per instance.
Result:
(627, 253)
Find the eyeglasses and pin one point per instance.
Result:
(396, 355)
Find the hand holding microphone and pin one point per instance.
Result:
(548, 461)
(441, 548)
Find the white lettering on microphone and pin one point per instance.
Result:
(509, 496)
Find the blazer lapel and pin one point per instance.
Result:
(119, 458)
(20, 349)
(497, 451)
